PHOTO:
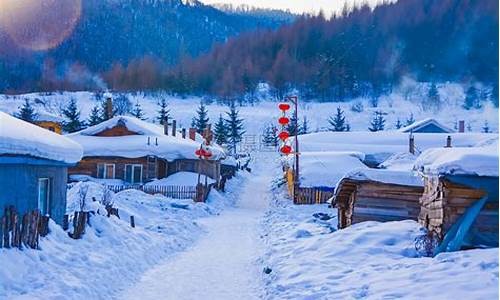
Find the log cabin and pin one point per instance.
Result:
(135, 152)
(377, 195)
(459, 206)
(50, 122)
(33, 168)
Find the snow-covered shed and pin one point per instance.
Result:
(459, 206)
(377, 195)
(49, 121)
(136, 151)
(427, 125)
(33, 167)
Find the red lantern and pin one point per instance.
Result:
(283, 121)
(286, 149)
(283, 135)
(198, 152)
(208, 154)
(284, 106)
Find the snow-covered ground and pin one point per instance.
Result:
(398, 105)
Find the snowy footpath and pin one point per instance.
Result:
(223, 263)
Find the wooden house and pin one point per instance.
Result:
(50, 122)
(459, 205)
(377, 195)
(136, 152)
(33, 168)
(428, 125)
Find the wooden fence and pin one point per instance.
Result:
(313, 196)
(199, 194)
(16, 232)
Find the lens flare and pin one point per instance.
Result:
(39, 24)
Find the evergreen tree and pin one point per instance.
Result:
(347, 127)
(220, 131)
(235, 128)
(27, 112)
(72, 115)
(270, 136)
(200, 122)
(305, 126)
(494, 95)
(338, 122)
(95, 116)
(137, 111)
(410, 120)
(486, 127)
(163, 112)
(291, 127)
(104, 111)
(398, 124)
(471, 98)
(378, 122)
(433, 98)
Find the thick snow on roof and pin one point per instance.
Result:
(22, 138)
(480, 160)
(407, 178)
(327, 168)
(400, 162)
(132, 146)
(419, 124)
(47, 117)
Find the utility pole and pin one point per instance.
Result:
(295, 102)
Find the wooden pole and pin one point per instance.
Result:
(295, 101)
(412, 144)
(183, 133)
(165, 126)
(174, 127)
(132, 221)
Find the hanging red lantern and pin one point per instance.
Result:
(283, 135)
(283, 121)
(198, 152)
(284, 106)
(286, 149)
(208, 154)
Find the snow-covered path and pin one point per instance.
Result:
(222, 265)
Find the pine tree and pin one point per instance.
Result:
(378, 122)
(494, 95)
(338, 122)
(433, 98)
(200, 122)
(291, 127)
(137, 111)
(347, 127)
(471, 98)
(220, 131)
(95, 116)
(104, 111)
(27, 112)
(235, 128)
(163, 112)
(270, 136)
(486, 127)
(72, 115)
(410, 120)
(398, 124)
(305, 126)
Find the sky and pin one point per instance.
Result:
(296, 6)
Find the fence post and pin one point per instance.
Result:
(132, 221)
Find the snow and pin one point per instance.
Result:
(481, 160)
(180, 178)
(108, 181)
(385, 176)
(133, 146)
(43, 116)
(418, 124)
(325, 169)
(22, 138)
(399, 161)
(310, 259)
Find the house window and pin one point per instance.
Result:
(52, 128)
(106, 171)
(44, 195)
(133, 173)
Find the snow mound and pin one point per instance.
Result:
(399, 161)
(22, 138)
(180, 178)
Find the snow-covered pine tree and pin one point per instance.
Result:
(137, 111)
(471, 98)
(338, 122)
(26, 112)
(291, 127)
(235, 128)
(201, 120)
(221, 131)
(305, 126)
(104, 111)
(378, 122)
(95, 116)
(494, 94)
(72, 114)
(433, 99)
(270, 136)
(486, 127)
(398, 124)
(163, 112)
(410, 120)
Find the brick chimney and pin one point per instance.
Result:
(109, 106)
(192, 134)
(461, 126)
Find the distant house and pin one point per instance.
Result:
(377, 195)
(135, 152)
(50, 122)
(428, 125)
(459, 205)
(33, 167)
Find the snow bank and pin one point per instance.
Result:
(132, 146)
(22, 138)
(407, 178)
(309, 259)
(180, 178)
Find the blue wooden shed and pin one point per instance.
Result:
(33, 167)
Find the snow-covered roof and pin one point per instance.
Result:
(481, 160)
(396, 177)
(133, 146)
(327, 168)
(18, 137)
(47, 117)
(400, 162)
(416, 126)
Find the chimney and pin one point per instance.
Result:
(174, 127)
(183, 133)
(165, 126)
(192, 134)
(448, 141)
(109, 106)
(207, 134)
(461, 126)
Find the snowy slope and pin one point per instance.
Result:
(23, 138)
